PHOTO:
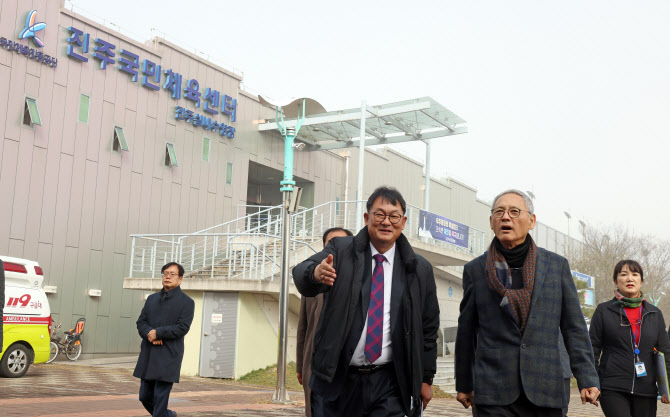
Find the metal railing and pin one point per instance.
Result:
(214, 255)
(249, 247)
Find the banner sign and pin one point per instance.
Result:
(590, 281)
(441, 228)
(588, 298)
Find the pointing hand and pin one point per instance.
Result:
(324, 272)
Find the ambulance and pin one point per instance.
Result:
(26, 318)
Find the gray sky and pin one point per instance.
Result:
(568, 99)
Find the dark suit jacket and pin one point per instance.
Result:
(171, 314)
(415, 314)
(497, 362)
(565, 358)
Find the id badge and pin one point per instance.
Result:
(640, 369)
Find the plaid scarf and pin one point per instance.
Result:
(628, 302)
(515, 303)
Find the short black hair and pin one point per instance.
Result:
(169, 264)
(335, 229)
(388, 194)
(633, 266)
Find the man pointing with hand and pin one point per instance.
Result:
(375, 344)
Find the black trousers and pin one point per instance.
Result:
(364, 395)
(622, 404)
(522, 407)
(154, 396)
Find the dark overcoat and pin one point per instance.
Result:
(310, 311)
(497, 362)
(612, 341)
(415, 313)
(170, 313)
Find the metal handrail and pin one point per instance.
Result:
(238, 219)
(206, 249)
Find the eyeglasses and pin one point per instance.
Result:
(170, 274)
(380, 217)
(513, 212)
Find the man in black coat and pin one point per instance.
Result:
(375, 346)
(163, 323)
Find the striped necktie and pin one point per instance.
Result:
(375, 333)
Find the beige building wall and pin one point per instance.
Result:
(70, 202)
(256, 336)
(449, 305)
(191, 363)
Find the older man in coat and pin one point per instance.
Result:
(163, 323)
(375, 345)
(516, 299)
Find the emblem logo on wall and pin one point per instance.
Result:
(30, 32)
(31, 28)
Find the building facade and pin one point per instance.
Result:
(105, 137)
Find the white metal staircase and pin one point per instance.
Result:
(249, 247)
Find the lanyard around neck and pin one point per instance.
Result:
(636, 331)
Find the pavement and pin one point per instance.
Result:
(106, 387)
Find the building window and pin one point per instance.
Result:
(120, 142)
(84, 102)
(206, 144)
(31, 116)
(229, 173)
(170, 155)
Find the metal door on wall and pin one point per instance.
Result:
(219, 329)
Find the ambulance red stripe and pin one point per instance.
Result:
(25, 320)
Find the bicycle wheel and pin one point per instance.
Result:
(54, 352)
(73, 351)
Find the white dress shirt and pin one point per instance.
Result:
(359, 358)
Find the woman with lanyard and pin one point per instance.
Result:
(625, 330)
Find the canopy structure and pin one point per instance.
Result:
(403, 121)
(419, 119)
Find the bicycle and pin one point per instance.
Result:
(71, 345)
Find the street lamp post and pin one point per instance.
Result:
(289, 204)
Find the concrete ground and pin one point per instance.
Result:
(106, 387)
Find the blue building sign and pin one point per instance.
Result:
(441, 228)
(590, 281)
(212, 102)
(30, 31)
(204, 121)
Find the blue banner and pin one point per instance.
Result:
(590, 281)
(441, 228)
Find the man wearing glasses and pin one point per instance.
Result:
(516, 298)
(163, 323)
(375, 345)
